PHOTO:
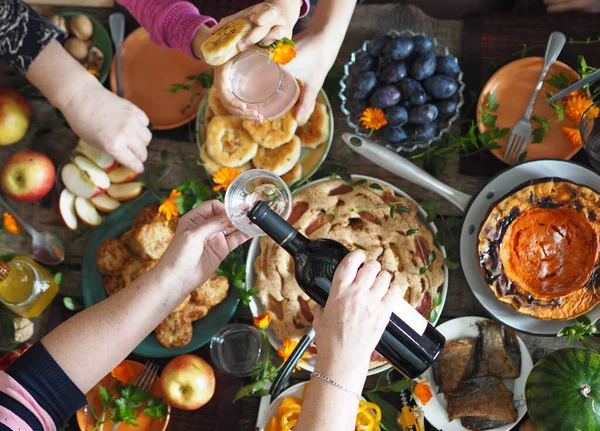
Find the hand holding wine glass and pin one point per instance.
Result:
(357, 312)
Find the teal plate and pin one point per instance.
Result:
(102, 41)
(115, 225)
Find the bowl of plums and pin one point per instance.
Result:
(409, 79)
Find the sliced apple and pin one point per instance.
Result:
(78, 182)
(66, 209)
(99, 157)
(87, 212)
(97, 175)
(124, 192)
(105, 203)
(122, 175)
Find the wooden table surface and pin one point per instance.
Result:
(49, 134)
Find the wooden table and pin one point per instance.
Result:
(49, 134)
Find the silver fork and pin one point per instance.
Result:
(144, 381)
(521, 132)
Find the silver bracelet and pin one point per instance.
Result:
(335, 384)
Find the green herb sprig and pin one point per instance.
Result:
(122, 403)
(580, 330)
(204, 79)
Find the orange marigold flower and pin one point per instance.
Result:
(223, 178)
(423, 392)
(573, 135)
(10, 224)
(169, 208)
(262, 321)
(288, 348)
(124, 373)
(373, 118)
(575, 106)
(94, 72)
(283, 52)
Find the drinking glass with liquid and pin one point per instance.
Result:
(265, 86)
(589, 127)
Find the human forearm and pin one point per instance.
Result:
(330, 20)
(58, 75)
(323, 398)
(115, 327)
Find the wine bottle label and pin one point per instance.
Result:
(410, 316)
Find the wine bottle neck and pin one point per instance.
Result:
(278, 229)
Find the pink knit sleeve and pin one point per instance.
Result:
(171, 23)
(304, 8)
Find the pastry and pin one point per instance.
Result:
(316, 131)
(221, 47)
(279, 160)
(228, 143)
(111, 255)
(195, 311)
(212, 292)
(211, 166)
(175, 331)
(293, 175)
(215, 106)
(272, 133)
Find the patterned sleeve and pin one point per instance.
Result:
(23, 34)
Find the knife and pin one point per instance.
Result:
(116, 22)
(576, 86)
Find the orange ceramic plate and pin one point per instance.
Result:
(148, 71)
(513, 85)
(86, 421)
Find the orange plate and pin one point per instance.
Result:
(86, 421)
(513, 85)
(148, 71)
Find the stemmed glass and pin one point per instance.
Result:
(253, 186)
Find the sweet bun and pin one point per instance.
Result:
(228, 143)
(279, 160)
(221, 47)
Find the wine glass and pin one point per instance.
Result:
(253, 186)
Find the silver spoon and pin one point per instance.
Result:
(116, 22)
(46, 246)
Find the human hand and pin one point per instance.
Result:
(234, 105)
(572, 5)
(357, 311)
(204, 237)
(314, 58)
(109, 123)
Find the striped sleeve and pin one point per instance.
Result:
(36, 394)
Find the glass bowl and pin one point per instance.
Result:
(409, 146)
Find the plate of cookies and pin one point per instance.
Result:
(128, 244)
(359, 216)
(281, 146)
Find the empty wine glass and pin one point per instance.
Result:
(251, 187)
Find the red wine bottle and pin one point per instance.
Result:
(410, 343)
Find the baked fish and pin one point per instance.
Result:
(497, 352)
(454, 364)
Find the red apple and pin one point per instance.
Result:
(66, 209)
(105, 203)
(188, 382)
(27, 176)
(87, 212)
(14, 116)
(78, 182)
(93, 171)
(99, 157)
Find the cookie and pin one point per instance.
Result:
(293, 175)
(213, 292)
(128, 239)
(195, 311)
(175, 331)
(111, 255)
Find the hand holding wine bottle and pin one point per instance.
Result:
(357, 312)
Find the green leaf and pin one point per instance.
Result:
(360, 182)
(122, 412)
(431, 210)
(502, 133)
(432, 256)
(134, 395)
(389, 414)
(491, 104)
(156, 411)
(344, 175)
(450, 264)
(392, 208)
(403, 209)
(72, 304)
(560, 81)
(522, 156)
(537, 135)
(440, 237)
(376, 186)
(559, 110)
(438, 299)
(7, 256)
(488, 120)
(423, 270)
(205, 80)
(544, 123)
(105, 395)
(452, 222)
(249, 389)
(433, 315)
(411, 232)
(58, 278)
